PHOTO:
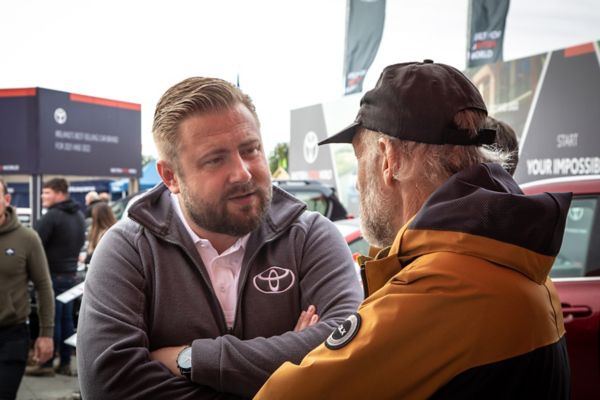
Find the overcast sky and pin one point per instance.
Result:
(288, 54)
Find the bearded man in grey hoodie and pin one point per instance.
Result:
(217, 277)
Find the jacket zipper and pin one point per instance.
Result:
(215, 302)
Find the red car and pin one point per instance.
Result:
(576, 274)
(350, 230)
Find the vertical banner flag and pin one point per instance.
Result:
(486, 31)
(364, 29)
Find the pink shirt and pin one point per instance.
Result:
(223, 269)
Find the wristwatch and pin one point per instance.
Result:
(184, 362)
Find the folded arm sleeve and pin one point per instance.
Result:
(328, 280)
(112, 341)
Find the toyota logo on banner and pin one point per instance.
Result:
(60, 116)
(274, 280)
(311, 147)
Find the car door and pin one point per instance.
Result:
(576, 274)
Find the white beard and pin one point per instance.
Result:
(377, 212)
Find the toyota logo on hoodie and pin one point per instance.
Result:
(274, 280)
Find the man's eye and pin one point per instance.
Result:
(214, 161)
(251, 151)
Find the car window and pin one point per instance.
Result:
(317, 196)
(572, 258)
(315, 201)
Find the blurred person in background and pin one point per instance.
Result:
(22, 259)
(105, 197)
(459, 304)
(102, 219)
(91, 199)
(62, 230)
(217, 277)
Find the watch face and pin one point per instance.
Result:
(184, 360)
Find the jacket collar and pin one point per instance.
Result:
(155, 212)
(469, 214)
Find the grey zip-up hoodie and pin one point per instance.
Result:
(147, 288)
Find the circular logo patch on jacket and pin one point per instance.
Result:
(343, 334)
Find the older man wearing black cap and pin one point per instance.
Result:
(458, 301)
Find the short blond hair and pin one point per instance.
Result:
(91, 196)
(192, 96)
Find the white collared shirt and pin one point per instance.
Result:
(223, 269)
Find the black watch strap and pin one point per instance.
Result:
(186, 373)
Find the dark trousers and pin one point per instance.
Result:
(63, 318)
(14, 347)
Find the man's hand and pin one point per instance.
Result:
(307, 318)
(168, 356)
(43, 349)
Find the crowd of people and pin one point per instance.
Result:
(48, 256)
(221, 285)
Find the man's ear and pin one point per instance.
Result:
(389, 160)
(168, 176)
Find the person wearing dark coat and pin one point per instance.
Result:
(62, 230)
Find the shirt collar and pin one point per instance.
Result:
(198, 241)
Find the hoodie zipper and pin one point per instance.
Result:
(208, 283)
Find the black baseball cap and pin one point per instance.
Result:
(417, 101)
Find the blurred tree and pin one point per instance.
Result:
(279, 157)
(146, 158)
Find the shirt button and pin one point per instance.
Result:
(222, 289)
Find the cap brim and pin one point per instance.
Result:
(344, 136)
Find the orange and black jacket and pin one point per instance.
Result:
(460, 306)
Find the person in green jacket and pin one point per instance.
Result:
(22, 259)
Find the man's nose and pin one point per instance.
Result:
(240, 170)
